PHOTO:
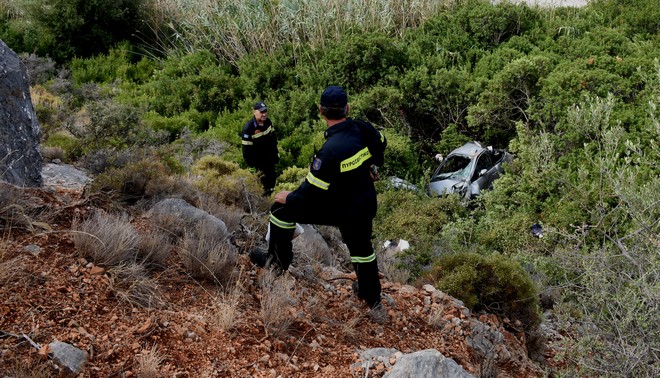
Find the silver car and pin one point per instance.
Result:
(468, 170)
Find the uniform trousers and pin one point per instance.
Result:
(355, 231)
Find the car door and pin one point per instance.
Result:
(484, 174)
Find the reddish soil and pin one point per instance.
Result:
(55, 295)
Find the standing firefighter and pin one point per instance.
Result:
(338, 191)
(260, 146)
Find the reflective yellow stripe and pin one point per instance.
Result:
(316, 182)
(281, 224)
(247, 143)
(358, 259)
(267, 131)
(355, 160)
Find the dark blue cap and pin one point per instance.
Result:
(334, 97)
(260, 106)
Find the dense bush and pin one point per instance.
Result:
(493, 283)
(63, 29)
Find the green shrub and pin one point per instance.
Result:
(71, 146)
(132, 182)
(115, 66)
(229, 184)
(395, 219)
(291, 178)
(196, 81)
(63, 29)
(493, 283)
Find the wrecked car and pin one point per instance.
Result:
(467, 170)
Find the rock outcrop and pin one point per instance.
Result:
(20, 159)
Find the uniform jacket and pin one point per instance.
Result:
(339, 185)
(259, 143)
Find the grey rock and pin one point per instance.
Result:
(427, 363)
(20, 158)
(68, 356)
(484, 339)
(64, 176)
(189, 215)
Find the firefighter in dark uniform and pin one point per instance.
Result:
(259, 145)
(338, 191)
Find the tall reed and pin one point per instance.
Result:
(233, 28)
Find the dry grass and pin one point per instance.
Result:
(30, 368)
(206, 256)
(131, 284)
(13, 208)
(10, 267)
(277, 298)
(154, 248)
(349, 329)
(53, 153)
(148, 363)
(436, 318)
(227, 312)
(106, 239)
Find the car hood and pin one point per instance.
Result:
(446, 186)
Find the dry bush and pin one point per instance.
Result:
(10, 267)
(349, 329)
(154, 248)
(232, 216)
(53, 153)
(227, 313)
(148, 362)
(13, 208)
(170, 225)
(175, 186)
(106, 239)
(277, 298)
(206, 256)
(436, 318)
(389, 266)
(132, 284)
(30, 368)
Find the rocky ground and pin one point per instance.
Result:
(49, 293)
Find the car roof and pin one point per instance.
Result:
(470, 149)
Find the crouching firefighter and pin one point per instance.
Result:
(338, 191)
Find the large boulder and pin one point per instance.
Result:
(20, 159)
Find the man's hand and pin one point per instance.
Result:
(373, 172)
(281, 196)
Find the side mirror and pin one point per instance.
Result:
(439, 158)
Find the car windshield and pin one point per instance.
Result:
(456, 167)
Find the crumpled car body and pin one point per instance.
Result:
(468, 170)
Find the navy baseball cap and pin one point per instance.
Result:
(260, 106)
(334, 97)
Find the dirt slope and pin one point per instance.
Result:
(49, 293)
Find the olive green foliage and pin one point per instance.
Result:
(118, 65)
(230, 184)
(63, 29)
(416, 218)
(493, 283)
(291, 178)
(68, 143)
(401, 157)
(196, 81)
(147, 179)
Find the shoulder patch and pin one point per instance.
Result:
(246, 136)
(316, 164)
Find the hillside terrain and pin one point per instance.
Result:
(51, 293)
